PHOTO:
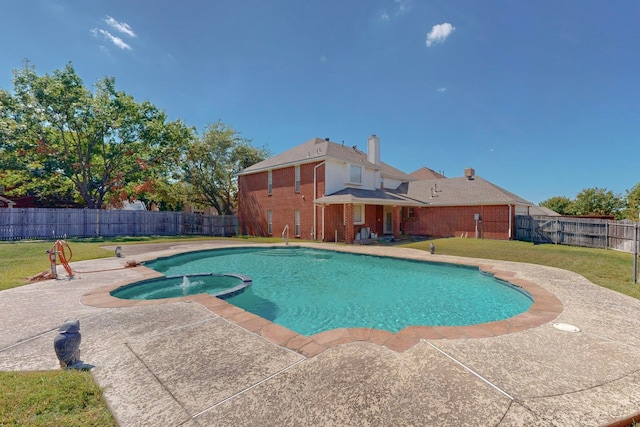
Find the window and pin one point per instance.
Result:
(356, 174)
(297, 178)
(269, 222)
(358, 214)
(269, 182)
(296, 222)
(411, 213)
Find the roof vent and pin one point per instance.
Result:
(327, 139)
(469, 173)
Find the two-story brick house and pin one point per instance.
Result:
(326, 191)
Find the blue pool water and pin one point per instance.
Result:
(220, 285)
(311, 291)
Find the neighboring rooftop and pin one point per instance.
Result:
(4, 201)
(426, 173)
(542, 211)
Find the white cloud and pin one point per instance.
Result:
(402, 6)
(441, 89)
(399, 8)
(120, 26)
(439, 33)
(113, 39)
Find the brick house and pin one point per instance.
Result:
(321, 190)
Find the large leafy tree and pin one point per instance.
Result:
(598, 201)
(55, 134)
(212, 163)
(560, 204)
(632, 211)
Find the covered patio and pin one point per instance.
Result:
(353, 214)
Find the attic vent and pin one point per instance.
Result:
(469, 173)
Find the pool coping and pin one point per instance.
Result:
(545, 308)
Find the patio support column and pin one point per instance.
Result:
(349, 231)
(397, 212)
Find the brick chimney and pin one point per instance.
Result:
(469, 173)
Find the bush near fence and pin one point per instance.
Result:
(37, 223)
(573, 231)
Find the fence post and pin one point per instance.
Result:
(635, 252)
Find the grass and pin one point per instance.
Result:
(23, 259)
(52, 398)
(609, 269)
(72, 398)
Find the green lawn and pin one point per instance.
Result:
(71, 398)
(52, 398)
(27, 258)
(607, 268)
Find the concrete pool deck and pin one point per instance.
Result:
(199, 361)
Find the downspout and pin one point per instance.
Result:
(510, 219)
(322, 235)
(315, 206)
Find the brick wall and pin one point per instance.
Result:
(254, 202)
(458, 220)
(349, 231)
(333, 221)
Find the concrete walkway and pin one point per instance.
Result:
(192, 362)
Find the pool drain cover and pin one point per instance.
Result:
(566, 327)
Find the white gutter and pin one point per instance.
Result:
(315, 196)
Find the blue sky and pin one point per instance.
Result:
(540, 97)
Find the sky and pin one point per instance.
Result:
(540, 97)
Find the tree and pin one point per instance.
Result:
(632, 210)
(58, 134)
(598, 201)
(560, 204)
(212, 163)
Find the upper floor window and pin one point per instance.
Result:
(269, 182)
(411, 213)
(355, 174)
(297, 178)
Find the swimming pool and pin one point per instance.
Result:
(310, 291)
(222, 286)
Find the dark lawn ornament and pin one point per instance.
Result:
(67, 345)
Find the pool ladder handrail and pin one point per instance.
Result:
(286, 230)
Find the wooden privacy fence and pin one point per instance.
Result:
(586, 232)
(35, 223)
